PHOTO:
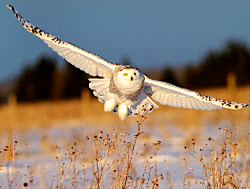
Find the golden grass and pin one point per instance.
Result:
(89, 111)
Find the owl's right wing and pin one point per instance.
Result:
(78, 57)
(168, 94)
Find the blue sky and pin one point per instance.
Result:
(151, 33)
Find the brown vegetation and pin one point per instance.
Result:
(106, 160)
(89, 110)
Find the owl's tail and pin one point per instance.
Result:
(143, 105)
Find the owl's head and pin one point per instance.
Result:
(128, 79)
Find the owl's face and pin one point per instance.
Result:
(128, 79)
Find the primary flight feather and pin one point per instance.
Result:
(124, 89)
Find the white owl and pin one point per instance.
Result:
(124, 89)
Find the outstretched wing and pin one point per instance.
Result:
(168, 94)
(78, 57)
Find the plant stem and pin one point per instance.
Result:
(130, 158)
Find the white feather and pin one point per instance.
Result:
(100, 87)
(168, 94)
(98, 83)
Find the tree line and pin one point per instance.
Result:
(213, 68)
(45, 80)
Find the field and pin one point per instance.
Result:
(74, 144)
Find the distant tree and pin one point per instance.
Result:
(168, 75)
(44, 81)
(190, 77)
(36, 81)
(236, 55)
(74, 81)
(213, 69)
(58, 85)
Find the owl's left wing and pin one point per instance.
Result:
(78, 57)
(168, 94)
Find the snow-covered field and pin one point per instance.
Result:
(67, 155)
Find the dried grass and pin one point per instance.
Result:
(109, 159)
(90, 111)
(223, 162)
(106, 160)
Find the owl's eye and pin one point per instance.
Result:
(125, 74)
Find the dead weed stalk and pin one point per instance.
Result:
(223, 164)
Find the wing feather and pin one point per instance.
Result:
(168, 94)
(78, 57)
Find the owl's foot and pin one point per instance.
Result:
(122, 111)
(110, 105)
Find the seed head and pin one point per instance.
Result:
(25, 184)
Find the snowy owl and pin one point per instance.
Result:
(124, 89)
